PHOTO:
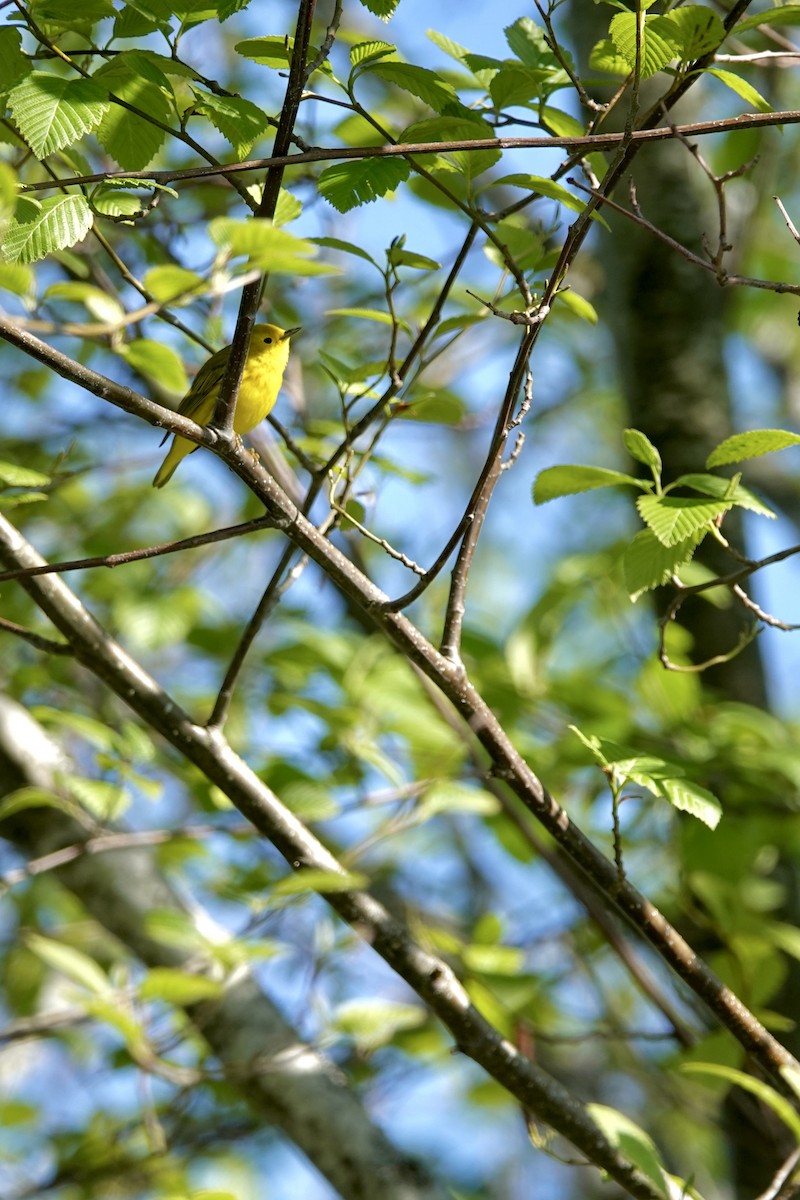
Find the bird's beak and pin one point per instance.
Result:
(291, 332)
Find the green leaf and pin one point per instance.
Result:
(400, 257)
(366, 314)
(515, 85)
(751, 445)
(364, 52)
(470, 163)
(239, 121)
(64, 12)
(326, 882)
(692, 799)
(720, 489)
(373, 1023)
(345, 247)
(168, 284)
(569, 480)
(101, 305)
(419, 81)
(786, 14)
(658, 44)
(648, 563)
(51, 112)
(49, 225)
(605, 57)
(447, 796)
(178, 987)
(528, 42)
(133, 140)
(633, 1143)
(542, 186)
(13, 63)
(742, 88)
(578, 305)
(782, 1107)
(18, 280)
(15, 476)
(158, 362)
(642, 449)
(560, 123)
(673, 518)
(70, 962)
(267, 51)
(349, 184)
(385, 9)
(287, 208)
(272, 249)
(453, 49)
(33, 797)
(697, 30)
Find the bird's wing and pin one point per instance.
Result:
(205, 387)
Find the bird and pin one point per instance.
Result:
(267, 356)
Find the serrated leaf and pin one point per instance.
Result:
(648, 563)
(673, 518)
(364, 52)
(720, 489)
(421, 82)
(605, 57)
(528, 42)
(65, 12)
(470, 163)
(453, 49)
(168, 283)
(51, 112)
(13, 475)
(697, 30)
(13, 63)
(515, 84)
(752, 444)
(566, 480)
(658, 45)
(239, 121)
(157, 361)
(58, 222)
(349, 184)
(642, 449)
(130, 139)
(742, 88)
(385, 9)
(287, 208)
(109, 201)
(267, 247)
(70, 962)
(692, 799)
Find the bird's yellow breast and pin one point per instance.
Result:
(261, 378)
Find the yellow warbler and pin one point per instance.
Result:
(266, 361)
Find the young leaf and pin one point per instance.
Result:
(673, 518)
(273, 249)
(633, 1142)
(52, 112)
(720, 489)
(419, 81)
(786, 14)
(13, 63)
(779, 1104)
(168, 284)
(239, 121)
(70, 962)
(553, 482)
(751, 445)
(658, 44)
(696, 30)
(648, 563)
(364, 52)
(51, 224)
(347, 185)
(642, 449)
(692, 799)
(384, 9)
(157, 361)
(579, 306)
(132, 140)
(267, 51)
(345, 247)
(742, 88)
